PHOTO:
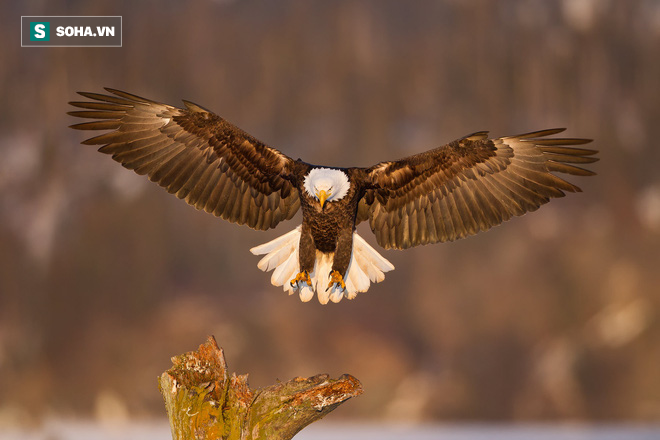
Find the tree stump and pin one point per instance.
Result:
(204, 402)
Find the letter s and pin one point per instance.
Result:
(39, 31)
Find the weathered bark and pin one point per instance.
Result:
(204, 402)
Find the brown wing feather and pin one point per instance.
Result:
(196, 155)
(467, 186)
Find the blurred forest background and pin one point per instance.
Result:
(553, 316)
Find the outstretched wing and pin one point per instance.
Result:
(196, 155)
(468, 186)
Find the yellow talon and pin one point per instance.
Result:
(302, 276)
(336, 278)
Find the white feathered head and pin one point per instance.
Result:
(326, 184)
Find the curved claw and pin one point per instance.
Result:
(336, 278)
(302, 276)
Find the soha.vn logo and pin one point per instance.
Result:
(71, 31)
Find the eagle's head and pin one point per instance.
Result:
(326, 185)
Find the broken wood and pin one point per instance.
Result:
(204, 402)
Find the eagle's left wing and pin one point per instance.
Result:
(195, 155)
(467, 186)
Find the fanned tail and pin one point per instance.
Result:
(281, 255)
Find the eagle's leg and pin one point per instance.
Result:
(306, 257)
(342, 258)
(302, 276)
(336, 278)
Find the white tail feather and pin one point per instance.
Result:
(281, 254)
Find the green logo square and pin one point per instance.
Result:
(40, 31)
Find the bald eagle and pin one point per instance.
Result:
(444, 194)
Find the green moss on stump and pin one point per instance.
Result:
(204, 402)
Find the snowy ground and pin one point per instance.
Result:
(61, 430)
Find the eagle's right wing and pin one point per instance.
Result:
(196, 155)
(468, 186)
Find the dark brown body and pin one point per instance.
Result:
(330, 228)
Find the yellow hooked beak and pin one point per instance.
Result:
(323, 196)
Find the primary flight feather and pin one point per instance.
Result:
(444, 194)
